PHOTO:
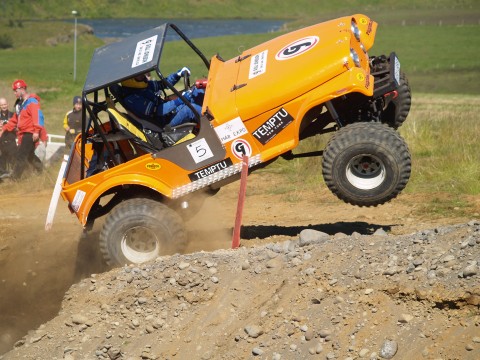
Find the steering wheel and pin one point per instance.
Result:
(186, 80)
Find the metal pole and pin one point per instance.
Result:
(75, 47)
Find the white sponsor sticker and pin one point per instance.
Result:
(144, 51)
(200, 150)
(297, 47)
(397, 71)
(240, 148)
(258, 64)
(231, 130)
(78, 200)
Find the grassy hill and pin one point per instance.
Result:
(59, 9)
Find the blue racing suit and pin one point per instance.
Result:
(144, 101)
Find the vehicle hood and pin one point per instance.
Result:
(278, 71)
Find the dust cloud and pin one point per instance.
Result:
(38, 267)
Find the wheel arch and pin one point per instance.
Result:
(122, 187)
(343, 85)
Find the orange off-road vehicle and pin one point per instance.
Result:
(258, 105)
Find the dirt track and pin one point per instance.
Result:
(38, 267)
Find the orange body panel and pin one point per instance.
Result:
(219, 98)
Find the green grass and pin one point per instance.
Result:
(439, 59)
(447, 207)
(442, 133)
(43, 57)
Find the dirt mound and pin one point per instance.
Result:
(374, 296)
(314, 278)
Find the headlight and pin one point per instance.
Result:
(355, 57)
(355, 30)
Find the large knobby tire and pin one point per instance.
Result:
(140, 230)
(366, 164)
(397, 110)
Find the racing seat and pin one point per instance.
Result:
(145, 130)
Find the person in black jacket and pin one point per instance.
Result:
(5, 114)
(72, 123)
(8, 145)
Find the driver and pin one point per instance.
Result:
(141, 96)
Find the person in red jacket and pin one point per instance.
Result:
(25, 121)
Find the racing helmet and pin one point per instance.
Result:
(138, 82)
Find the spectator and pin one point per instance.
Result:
(141, 96)
(28, 129)
(8, 145)
(5, 114)
(72, 123)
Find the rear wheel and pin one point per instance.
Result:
(139, 230)
(366, 164)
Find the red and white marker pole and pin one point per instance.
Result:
(241, 202)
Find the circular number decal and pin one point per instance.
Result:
(240, 148)
(297, 47)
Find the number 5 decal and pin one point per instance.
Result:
(200, 150)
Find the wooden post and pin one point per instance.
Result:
(241, 202)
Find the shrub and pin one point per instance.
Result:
(6, 41)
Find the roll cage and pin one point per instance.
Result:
(119, 61)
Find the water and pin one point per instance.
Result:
(119, 28)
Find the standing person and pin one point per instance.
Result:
(8, 145)
(26, 122)
(5, 114)
(72, 123)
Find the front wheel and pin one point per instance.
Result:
(366, 164)
(139, 230)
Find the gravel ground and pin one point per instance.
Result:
(315, 296)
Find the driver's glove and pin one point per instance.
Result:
(188, 95)
(180, 72)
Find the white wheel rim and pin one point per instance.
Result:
(366, 172)
(140, 244)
